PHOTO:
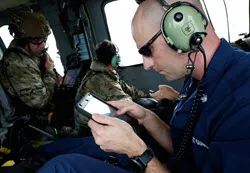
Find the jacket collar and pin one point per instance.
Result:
(221, 59)
(100, 67)
(14, 45)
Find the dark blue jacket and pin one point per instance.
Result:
(221, 138)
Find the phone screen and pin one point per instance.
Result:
(89, 105)
(96, 106)
(71, 77)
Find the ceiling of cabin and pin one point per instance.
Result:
(5, 4)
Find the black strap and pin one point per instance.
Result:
(139, 1)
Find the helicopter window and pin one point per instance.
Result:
(120, 30)
(238, 15)
(51, 44)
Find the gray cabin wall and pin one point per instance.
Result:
(63, 40)
(4, 18)
(98, 19)
(146, 80)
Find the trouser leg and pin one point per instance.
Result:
(76, 163)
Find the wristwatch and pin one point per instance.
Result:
(138, 164)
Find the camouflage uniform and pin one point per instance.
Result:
(107, 85)
(30, 81)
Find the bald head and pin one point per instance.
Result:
(147, 19)
(149, 11)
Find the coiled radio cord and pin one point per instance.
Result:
(193, 119)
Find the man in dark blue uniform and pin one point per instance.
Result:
(209, 131)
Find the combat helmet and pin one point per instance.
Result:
(27, 24)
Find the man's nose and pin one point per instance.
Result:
(147, 63)
(43, 44)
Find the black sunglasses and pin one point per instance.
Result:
(38, 40)
(145, 50)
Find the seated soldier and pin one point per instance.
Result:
(28, 73)
(102, 79)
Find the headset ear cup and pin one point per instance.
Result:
(115, 60)
(196, 39)
(180, 23)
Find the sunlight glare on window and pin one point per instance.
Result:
(53, 52)
(238, 15)
(119, 17)
(5, 35)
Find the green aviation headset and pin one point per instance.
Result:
(183, 27)
(115, 60)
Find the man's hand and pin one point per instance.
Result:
(134, 110)
(49, 63)
(165, 92)
(59, 80)
(115, 135)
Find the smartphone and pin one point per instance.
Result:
(90, 104)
